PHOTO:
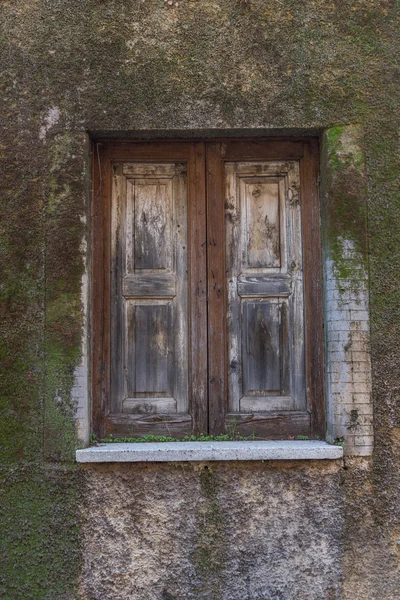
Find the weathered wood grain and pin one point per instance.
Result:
(148, 151)
(152, 170)
(100, 342)
(117, 307)
(264, 285)
(197, 211)
(177, 425)
(265, 292)
(313, 288)
(217, 391)
(149, 360)
(265, 255)
(250, 404)
(263, 150)
(153, 215)
(152, 285)
(270, 425)
(149, 313)
(261, 347)
(261, 223)
(149, 406)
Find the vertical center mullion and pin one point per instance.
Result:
(198, 288)
(217, 397)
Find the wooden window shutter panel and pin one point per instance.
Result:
(265, 298)
(274, 282)
(149, 289)
(152, 364)
(207, 289)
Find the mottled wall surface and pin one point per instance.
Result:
(72, 67)
(248, 532)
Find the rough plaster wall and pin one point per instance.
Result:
(124, 65)
(248, 532)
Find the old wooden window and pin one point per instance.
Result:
(206, 287)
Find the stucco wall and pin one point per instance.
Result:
(214, 531)
(124, 66)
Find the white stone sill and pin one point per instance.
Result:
(209, 451)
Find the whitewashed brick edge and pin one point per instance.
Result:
(348, 359)
(80, 390)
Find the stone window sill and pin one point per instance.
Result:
(210, 451)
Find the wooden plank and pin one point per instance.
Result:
(217, 389)
(234, 254)
(106, 359)
(252, 170)
(118, 325)
(261, 346)
(179, 325)
(136, 425)
(293, 337)
(261, 222)
(153, 214)
(250, 404)
(197, 211)
(150, 357)
(264, 285)
(141, 170)
(312, 253)
(262, 150)
(100, 341)
(149, 405)
(269, 425)
(151, 285)
(286, 383)
(152, 152)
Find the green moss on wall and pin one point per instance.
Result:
(39, 542)
(209, 555)
(66, 217)
(344, 196)
(21, 305)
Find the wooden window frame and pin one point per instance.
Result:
(207, 313)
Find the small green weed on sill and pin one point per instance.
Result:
(339, 442)
(164, 438)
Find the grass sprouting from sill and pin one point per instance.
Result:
(164, 438)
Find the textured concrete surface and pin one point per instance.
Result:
(212, 451)
(253, 531)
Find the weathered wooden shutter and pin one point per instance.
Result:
(264, 266)
(149, 289)
(202, 284)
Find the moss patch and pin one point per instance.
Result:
(209, 555)
(345, 202)
(65, 232)
(39, 542)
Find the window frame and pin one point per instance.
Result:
(207, 346)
